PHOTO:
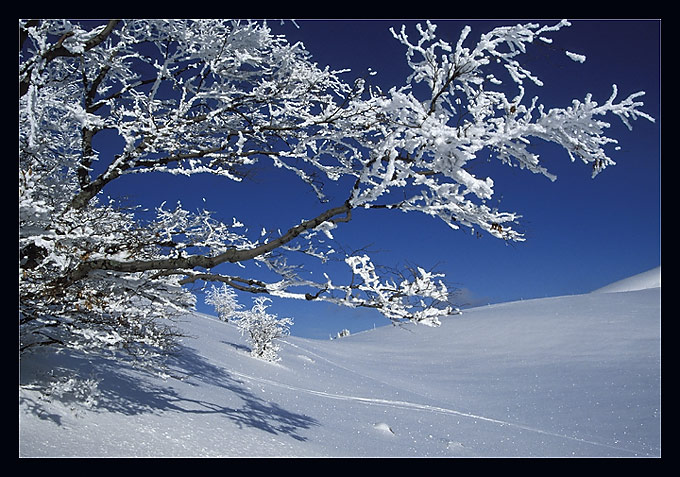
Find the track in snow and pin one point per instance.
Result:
(398, 404)
(416, 406)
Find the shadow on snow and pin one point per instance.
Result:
(127, 390)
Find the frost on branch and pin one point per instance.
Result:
(230, 98)
(414, 299)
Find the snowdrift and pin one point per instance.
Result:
(565, 376)
(641, 281)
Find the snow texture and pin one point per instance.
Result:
(564, 376)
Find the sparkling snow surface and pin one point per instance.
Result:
(565, 376)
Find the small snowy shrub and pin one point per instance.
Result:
(262, 328)
(224, 300)
(341, 334)
(71, 388)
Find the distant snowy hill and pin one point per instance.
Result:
(641, 281)
(565, 376)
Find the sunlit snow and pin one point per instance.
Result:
(565, 376)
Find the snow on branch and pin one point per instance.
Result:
(466, 115)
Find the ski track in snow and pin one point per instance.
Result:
(415, 406)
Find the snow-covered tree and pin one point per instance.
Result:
(262, 329)
(224, 301)
(220, 97)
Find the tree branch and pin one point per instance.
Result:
(59, 50)
(90, 189)
(242, 284)
(192, 261)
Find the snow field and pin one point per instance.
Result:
(565, 376)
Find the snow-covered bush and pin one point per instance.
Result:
(220, 97)
(341, 334)
(224, 301)
(68, 387)
(259, 327)
(262, 328)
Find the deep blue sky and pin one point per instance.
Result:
(581, 233)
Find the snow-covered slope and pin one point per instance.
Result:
(567, 376)
(642, 281)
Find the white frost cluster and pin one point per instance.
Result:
(575, 56)
(224, 301)
(396, 298)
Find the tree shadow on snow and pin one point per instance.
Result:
(128, 390)
(238, 347)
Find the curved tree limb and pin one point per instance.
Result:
(193, 261)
